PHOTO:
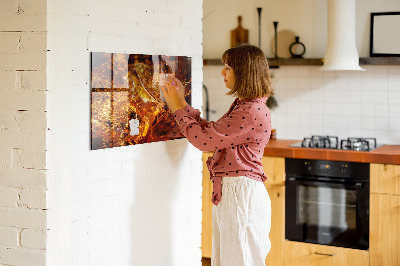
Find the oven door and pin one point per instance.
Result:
(327, 213)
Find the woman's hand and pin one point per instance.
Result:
(174, 93)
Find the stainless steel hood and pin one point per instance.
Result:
(341, 51)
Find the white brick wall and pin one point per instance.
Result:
(135, 205)
(22, 132)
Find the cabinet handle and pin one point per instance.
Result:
(324, 254)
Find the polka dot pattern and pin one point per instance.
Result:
(238, 139)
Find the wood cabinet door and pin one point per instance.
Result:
(274, 168)
(277, 233)
(304, 254)
(206, 226)
(385, 178)
(384, 236)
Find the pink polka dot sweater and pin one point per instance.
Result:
(238, 140)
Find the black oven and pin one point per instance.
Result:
(327, 202)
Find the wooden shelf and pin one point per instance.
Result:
(380, 61)
(274, 63)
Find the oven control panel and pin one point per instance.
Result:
(336, 169)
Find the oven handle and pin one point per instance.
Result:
(357, 185)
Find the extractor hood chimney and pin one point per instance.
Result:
(341, 51)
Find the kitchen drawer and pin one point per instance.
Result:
(305, 254)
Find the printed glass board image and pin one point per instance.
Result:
(127, 105)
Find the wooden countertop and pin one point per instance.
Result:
(389, 154)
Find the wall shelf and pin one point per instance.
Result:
(274, 63)
(380, 61)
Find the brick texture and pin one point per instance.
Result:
(23, 125)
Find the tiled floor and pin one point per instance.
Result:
(206, 261)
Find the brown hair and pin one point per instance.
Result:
(250, 66)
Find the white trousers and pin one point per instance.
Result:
(241, 223)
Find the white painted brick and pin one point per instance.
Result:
(97, 172)
(8, 197)
(23, 100)
(190, 22)
(5, 158)
(192, 49)
(17, 256)
(197, 37)
(33, 159)
(197, 63)
(8, 237)
(137, 45)
(23, 61)
(23, 22)
(8, 6)
(35, 140)
(127, 168)
(33, 120)
(36, 7)
(120, 154)
(168, 20)
(179, 7)
(33, 199)
(79, 175)
(32, 43)
(196, 10)
(98, 222)
(23, 218)
(197, 77)
(15, 158)
(9, 42)
(114, 186)
(80, 227)
(30, 80)
(80, 63)
(155, 32)
(23, 178)
(33, 239)
(7, 80)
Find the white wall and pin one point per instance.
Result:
(23, 133)
(306, 19)
(311, 102)
(134, 205)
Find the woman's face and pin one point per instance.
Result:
(229, 76)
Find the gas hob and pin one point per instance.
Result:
(332, 142)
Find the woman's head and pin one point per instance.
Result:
(251, 72)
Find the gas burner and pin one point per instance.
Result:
(332, 142)
(327, 142)
(358, 144)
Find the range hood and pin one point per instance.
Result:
(341, 51)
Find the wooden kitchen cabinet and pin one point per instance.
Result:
(274, 168)
(305, 254)
(206, 225)
(385, 215)
(385, 178)
(277, 233)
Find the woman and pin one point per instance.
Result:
(242, 208)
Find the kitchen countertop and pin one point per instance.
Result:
(389, 154)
